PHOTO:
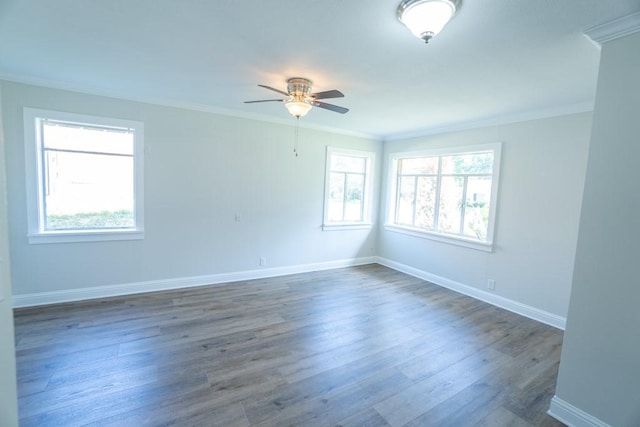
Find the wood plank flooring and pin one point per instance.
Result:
(361, 346)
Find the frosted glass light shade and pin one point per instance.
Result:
(426, 18)
(298, 109)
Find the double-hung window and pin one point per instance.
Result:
(348, 187)
(84, 177)
(448, 194)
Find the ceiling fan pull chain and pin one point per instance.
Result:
(295, 142)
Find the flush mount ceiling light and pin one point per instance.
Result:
(426, 18)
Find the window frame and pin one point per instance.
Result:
(460, 240)
(366, 221)
(34, 169)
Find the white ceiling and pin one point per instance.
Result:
(497, 59)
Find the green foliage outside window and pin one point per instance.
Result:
(89, 220)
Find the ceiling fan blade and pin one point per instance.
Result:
(331, 107)
(327, 94)
(274, 89)
(264, 100)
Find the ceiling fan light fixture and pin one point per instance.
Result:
(426, 18)
(299, 98)
(297, 108)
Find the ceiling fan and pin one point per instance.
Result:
(299, 98)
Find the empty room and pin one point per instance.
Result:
(319, 213)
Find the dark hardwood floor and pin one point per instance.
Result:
(362, 346)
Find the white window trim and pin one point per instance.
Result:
(36, 234)
(390, 225)
(367, 194)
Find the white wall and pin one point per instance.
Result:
(9, 399)
(541, 182)
(200, 170)
(600, 365)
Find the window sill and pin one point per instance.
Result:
(444, 238)
(84, 236)
(346, 226)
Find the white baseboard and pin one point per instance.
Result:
(69, 295)
(572, 416)
(514, 306)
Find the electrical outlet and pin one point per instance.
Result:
(263, 261)
(491, 284)
(237, 217)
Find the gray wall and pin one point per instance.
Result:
(9, 400)
(541, 182)
(200, 170)
(600, 365)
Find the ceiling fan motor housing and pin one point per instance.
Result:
(299, 88)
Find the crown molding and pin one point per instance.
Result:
(536, 114)
(615, 29)
(539, 114)
(172, 103)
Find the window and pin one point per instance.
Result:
(447, 195)
(348, 189)
(84, 177)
